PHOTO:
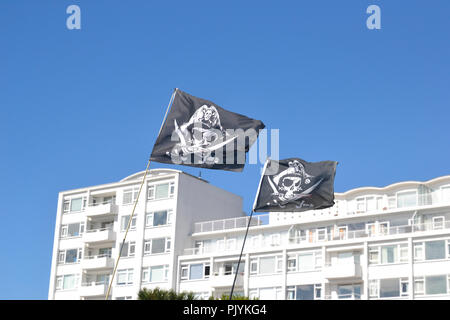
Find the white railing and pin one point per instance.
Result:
(100, 203)
(99, 230)
(315, 238)
(364, 233)
(350, 296)
(106, 255)
(231, 223)
(94, 283)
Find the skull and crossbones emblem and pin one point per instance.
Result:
(288, 185)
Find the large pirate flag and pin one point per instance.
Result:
(199, 133)
(295, 185)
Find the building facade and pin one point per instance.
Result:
(375, 243)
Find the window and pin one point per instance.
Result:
(406, 199)
(158, 218)
(130, 195)
(275, 239)
(124, 223)
(419, 286)
(404, 287)
(155, 273)
(373, 255)
(124, 277)
(383, 228)
(388, 254)
(373, 289)
(306, 261)
(304, 292)
(435, 250)
(419, 251)
(404, 251)
(436, 284)
(321, 234)
(72, 230)
(161, 191)
(266, 265)
(196, 271)
(254, 266)
(438, 223)
(157, 245)
(74, 204)
(292, 263)
(389, 288)
(124, 298)
(67, 282)
(128, 249)
(69, 256)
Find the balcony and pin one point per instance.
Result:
(342, 271)
(93, 289)
(222, 280)
(102, 209)
(97, 262)
(232, 223)
(381, 231)
(97, 236)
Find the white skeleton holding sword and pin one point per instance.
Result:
(201, 135)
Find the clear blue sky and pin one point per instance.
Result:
(83, 107)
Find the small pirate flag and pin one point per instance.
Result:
(199, 133)
(295, 185)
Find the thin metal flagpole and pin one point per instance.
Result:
(136, 201)
(246, 231)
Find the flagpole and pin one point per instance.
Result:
(246, 231)
(137, 199)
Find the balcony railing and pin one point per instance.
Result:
(316, 238)
(364, 233)
(232, 223)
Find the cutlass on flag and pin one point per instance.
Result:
(293, 185)
(199, 133)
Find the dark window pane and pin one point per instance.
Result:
(305, 292)
(389, 288)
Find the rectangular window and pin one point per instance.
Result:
(360, 205)
(404, 252)
(419, 251)
(254, 266)
(306, 261)
(151, 193)
(162, 191)
(124, 223)
(184, 273)
(67, 282)
(406, 199)
(435, 250)
(438, 223)
(373, 255)
(371, 204)
(130, 195)
(389, 288)
(292, 263)
(321, 234)
(373, 289)
(158, 273)
(66, 206)
(157, 245)
(404, 287)
(159, 218)
(124, 277)
(388, 254)
(305, 292)
(128, 249)
(266, 265)
(196, 271)
(436, 284)
(76, 204)
(419, 286)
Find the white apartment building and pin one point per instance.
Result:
(375, 243)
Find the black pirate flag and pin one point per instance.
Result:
(199, 133)
(296, 185)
